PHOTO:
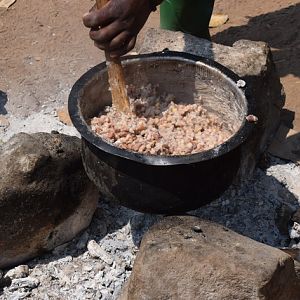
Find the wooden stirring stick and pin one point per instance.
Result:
(116, 77)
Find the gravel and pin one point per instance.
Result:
(96, 264)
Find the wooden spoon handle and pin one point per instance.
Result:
(116, 77)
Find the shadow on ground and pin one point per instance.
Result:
(3, 101)
(286, 145)
(268, 28)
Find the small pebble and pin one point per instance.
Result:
(27, 283)
(187, 236)
(197, 229)
(88, 268)
(18, 272)
(252, 119)
(241, 83)
(97, 252)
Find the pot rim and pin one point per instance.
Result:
(161, 160)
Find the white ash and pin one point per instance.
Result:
(254, 208)
(95, 251)
(37, 122)
(295, 231)
(96, 271)
(18, 272)
(70, 272)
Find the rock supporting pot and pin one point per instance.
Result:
(45, 195)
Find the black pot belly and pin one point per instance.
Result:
(159, 189)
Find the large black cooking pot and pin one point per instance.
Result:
(162, 184)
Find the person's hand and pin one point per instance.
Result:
(115, 26)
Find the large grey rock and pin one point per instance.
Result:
(184, 257)
(250, 60)
(45, 195)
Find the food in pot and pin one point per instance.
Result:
(159, 126)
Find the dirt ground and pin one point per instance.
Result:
(45, 48)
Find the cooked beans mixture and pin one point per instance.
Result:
(158, 126)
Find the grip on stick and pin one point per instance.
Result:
(115, 77)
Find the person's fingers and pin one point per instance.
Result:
(123, 50)
(107, 33)
(97, 17)
(119, 41)
(101, 47)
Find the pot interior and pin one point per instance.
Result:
(190, 82)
